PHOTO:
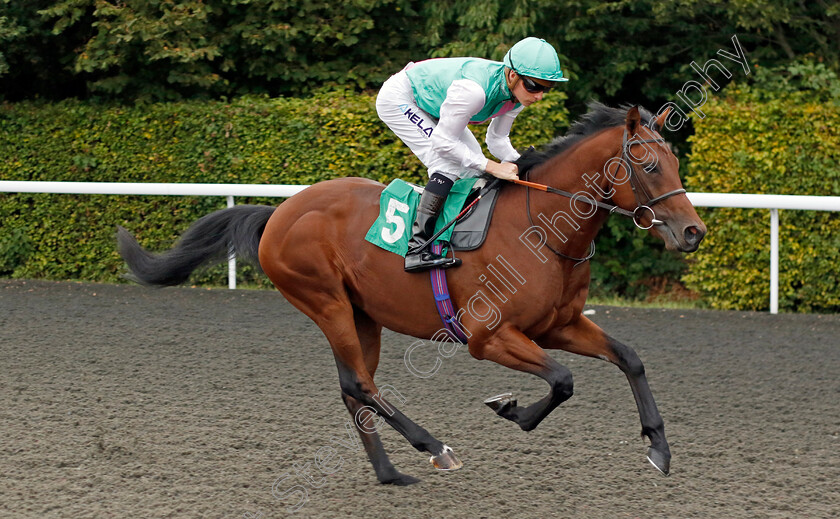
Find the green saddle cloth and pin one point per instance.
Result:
(397, 206)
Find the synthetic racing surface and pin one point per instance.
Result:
(123, 401)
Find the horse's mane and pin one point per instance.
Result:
(598, 117)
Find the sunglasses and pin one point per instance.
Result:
(532, 86)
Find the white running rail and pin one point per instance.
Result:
(229, 191)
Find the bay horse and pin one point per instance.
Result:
(312, 247)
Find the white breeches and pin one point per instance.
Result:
(396, 107)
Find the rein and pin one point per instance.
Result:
(635, 185)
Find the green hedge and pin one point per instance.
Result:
(788, 144)
(251, 140)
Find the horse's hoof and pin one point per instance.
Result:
(446, 460)
(660, 460)
(400, 480)
(498, 402)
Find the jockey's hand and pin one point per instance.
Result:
(504, 171)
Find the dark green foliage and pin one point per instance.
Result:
(33, 61)
(142, 50)
(637, 50)
(619, 51)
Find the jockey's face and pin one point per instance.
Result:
(527, 90)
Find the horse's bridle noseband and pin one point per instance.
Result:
(637, 188)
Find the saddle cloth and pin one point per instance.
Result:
(398, 205)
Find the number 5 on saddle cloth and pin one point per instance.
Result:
(398, 203)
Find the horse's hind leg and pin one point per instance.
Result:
(370, 334)
(386, 473)
(356, 382)
(585, 338)
(330, 308)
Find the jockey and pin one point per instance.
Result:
(429, 104)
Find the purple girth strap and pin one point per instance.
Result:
(444, 303)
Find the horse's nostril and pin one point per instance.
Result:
(693, 235)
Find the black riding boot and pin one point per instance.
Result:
(430, 207)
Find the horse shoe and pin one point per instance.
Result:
(499, 401)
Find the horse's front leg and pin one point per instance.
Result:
(585, 338)
(511, 348)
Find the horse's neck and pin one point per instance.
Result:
(566, 171)
(579, 169)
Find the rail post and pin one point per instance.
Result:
(231, 256)
(774, 261)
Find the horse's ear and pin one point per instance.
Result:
(661, 118)
(633, 120)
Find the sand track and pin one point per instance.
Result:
(122, 401)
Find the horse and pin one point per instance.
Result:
(312, 248)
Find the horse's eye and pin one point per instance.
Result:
(651, 168)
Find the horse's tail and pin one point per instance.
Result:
(209, 240)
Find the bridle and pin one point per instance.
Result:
(638, 188)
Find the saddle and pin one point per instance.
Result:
(471, 229)
(398, 204)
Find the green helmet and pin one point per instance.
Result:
(535, 57)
